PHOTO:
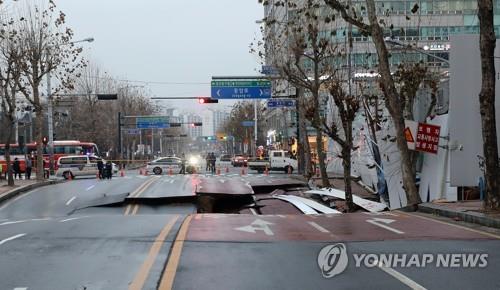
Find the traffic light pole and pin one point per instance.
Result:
(119, 149)
(50, 118)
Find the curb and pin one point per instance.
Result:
(10, 194)
(467, 216)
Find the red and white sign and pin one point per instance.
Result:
(427, 138)
(410, 133)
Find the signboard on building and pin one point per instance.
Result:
(133, 131)
(247, 123)
(152, 123)
(422, 137)
(241, 89)
(427, 138)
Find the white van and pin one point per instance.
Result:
(79, 165)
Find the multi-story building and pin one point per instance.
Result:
(213, 121)
(193, 131)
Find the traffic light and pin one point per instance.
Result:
(106, 97)
(207, 100)
(196, 124)
(45, 141)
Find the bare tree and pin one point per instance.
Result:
(11, 54)
(387, 82)
(48, 48)
(487, 45)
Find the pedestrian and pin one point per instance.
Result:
(100, 167)
(1, 170)
(207, 159)
(29, 166)
(212, 162)
(46, 172)
(109, 169)
(16, 167)
(183, 164)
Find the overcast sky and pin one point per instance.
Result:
(186, 41)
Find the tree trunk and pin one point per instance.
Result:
(487, 103)
(303, 144)
(394, 108)
(8, 139)
(39, 133)
(319, 142)
(346, 162)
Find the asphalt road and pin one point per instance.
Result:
(142, 232)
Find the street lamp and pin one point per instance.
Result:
(50, 108)
(396, 42)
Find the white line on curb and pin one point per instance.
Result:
(71, 200)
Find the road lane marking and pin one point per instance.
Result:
(13, 222)
(90, 187)
(136, 208)
(318, 227)
(70, 200)
(142, 275)
(11, 238)
(137, 192)
(172, 181)
(453, 225)
(377, 222)
(20, 288)
(402, 278)
(72, 219)
(167, 279)
(253, 211)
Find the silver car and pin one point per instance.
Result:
(164, 164)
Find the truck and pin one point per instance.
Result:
(278, 160)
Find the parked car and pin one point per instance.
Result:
(239, 160)
(225, 158)
(76, 165)
(278, 160)
(164, 163)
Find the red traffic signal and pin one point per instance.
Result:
(196, 124)
(207, 100)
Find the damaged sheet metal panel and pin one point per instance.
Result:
(369, 205)
(311, 203)
(298, 204)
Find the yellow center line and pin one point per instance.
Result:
(142, 275)
(136, 208)
(136, 193)
(453, 225)
(167, 279)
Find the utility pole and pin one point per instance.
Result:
(255, 125)
(50, 117)
(119, 134)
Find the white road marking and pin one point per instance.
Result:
(172, 181)
(13, 222)
(318, 227)
(222, 180)
(402, 278)
(11, 238)
(20, 288)
(90, 187)
(17, 198)
(72, 219)
(71, 200)
(377, 222)
(253, 211)
(257, 225)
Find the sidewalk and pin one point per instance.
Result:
(468, 211)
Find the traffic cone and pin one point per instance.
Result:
(122, 173)
(218, 170)
(70, 177)
(289, 169)
(266, 172)
(170, 172)
(227, 169)
(242, 170)
(97, 175)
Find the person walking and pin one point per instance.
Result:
(16, 167)
(29, 166)
(109, 169)
(183, 164)
(100, 168)
(212, 162)
(207, 159)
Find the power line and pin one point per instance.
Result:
(152, 82)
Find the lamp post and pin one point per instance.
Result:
(50, 110)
